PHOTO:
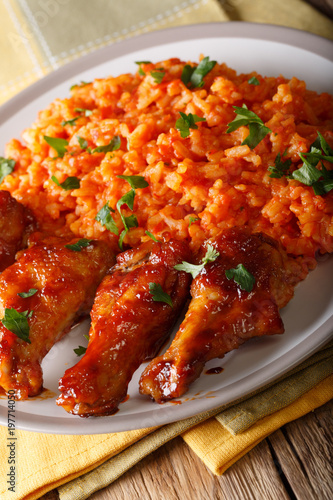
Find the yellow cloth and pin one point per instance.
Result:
(37, 37)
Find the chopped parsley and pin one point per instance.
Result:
(105, 218)
(81, 350)
(112, 146)
(156, 290)
(141, 72)
(193, 76)
(242, 277)
(81, 84)
(70, 122)
(280, 168)
(148, 233)
(191, 220)
(58, 144)
(320, 180)
(30, 293)
(257, 128)
(135, 181)
(77, 247)
(158, 76)
(185, 122)
(253, 81)
(68, 184)
(86, 112)
(82, 142)
(17, 323)
(6, 167)
(210, 256)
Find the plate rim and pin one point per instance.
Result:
(234, 29)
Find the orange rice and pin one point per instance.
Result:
(207, 176)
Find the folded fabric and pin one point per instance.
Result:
(42, 35)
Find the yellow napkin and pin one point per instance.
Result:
(37, 37)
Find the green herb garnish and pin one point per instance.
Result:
(159, 295)
(58, 144)
(30, 293)
(105, 218)
(6, 167)
(320, 180)
(158, 76)
(152, 237)
(135, 181)
(210, 256)
(280, 168)
(17, 323)
(86, 112)
(257, 128)
(191, 220)
(112, 146)
(194, 75)
(80, 350)
(70, 122)
(140, 71)
(82, 142)
(68, 184)
(81, 84)
(185, 122)
(253, 81)
(242, 277)
(77, 247)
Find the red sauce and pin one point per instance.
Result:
(214, 371)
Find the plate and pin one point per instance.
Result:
(308, 318)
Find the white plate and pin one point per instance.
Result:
(308, 318)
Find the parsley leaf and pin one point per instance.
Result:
(257, 128)
(81, 84)
(253, 81)
(186, 122)
(86, 112)
(194, 75)
(69, 122)
(191, 220)
(6, 167)
(126, 199)
(17, 323)
(112, 146)
(280, 168)
(156, 290)
(210, 256)
(82, 142)
(158, 76)
(68, 184)
(320, 180)
(30, 293)
(105, 218)
(153, 237)
(77, 247)
(58, 144)
(140, 71)
(80, 350)
(130, 221)
(135, 181)
(242, 277)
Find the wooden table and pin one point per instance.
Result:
(293, 463)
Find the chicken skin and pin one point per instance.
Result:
(128, 325)
(222, 315)
(16, 222)
(41, 295)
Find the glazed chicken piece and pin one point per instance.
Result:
(128, 326)
(61, 284)
(16, 222)
(222, 315)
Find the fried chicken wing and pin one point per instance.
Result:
(58, 286)
(222, 315)
(128, 326)
(16, 222)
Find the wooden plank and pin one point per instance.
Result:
(312, 444)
